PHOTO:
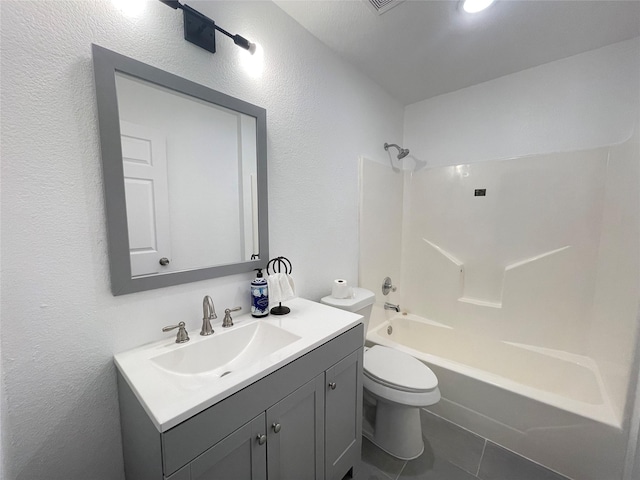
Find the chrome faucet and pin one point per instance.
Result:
(391, 306)
(208, 314)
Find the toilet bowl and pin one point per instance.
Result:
(396, 385)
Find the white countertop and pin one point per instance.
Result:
(170, 398)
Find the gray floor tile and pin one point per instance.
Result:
(501, 464)
(430, 466)
(369, 472)
(378, 460)
(451, 442)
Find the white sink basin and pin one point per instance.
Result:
(226, 351)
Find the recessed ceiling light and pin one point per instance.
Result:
(474, 6)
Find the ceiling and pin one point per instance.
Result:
(423, 48)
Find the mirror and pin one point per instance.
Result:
(185, 175)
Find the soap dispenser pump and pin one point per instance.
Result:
(259, 295)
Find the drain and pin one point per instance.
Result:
(389, 330)
(225, 373)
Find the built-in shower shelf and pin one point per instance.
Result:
(459, 266)
(520, 263)
(479, 302)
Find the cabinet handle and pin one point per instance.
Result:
(332, 385)
(276, 427)
(164, 261)
(261, 439)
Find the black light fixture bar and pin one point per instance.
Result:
(200, 29)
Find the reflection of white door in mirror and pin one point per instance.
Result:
(211, 154)
(145, 180)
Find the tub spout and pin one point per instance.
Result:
(391, 306)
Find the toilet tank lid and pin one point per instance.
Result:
(362, 298)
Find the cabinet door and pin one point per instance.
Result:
(343, 421)
(296, 444)
(240, 456)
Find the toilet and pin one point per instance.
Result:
(396, 385)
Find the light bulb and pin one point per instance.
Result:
(475, 6)
(252, 60)
(131, 8)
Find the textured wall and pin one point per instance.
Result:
(60, 323)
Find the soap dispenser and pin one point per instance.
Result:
(259, 295)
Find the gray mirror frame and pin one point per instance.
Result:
(106, 63)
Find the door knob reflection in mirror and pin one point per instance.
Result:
(164, 261)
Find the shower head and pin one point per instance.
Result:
(402, 152)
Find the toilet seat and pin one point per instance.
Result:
(397, 377)
(396, 369)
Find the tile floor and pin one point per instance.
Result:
(451, 453)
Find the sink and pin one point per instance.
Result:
(175, 381)
(225, 352)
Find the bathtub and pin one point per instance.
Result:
(547, 405)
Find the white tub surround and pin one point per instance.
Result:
(170, 398)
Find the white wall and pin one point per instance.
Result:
(578, 103)
(60, 323)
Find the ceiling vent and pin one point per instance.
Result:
(382, 6)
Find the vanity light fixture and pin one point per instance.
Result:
(475, 6)
(201, 30)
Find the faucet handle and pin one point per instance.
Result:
(228, 321)
(182, 336)
(387, 286)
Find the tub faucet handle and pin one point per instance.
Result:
(387, 286)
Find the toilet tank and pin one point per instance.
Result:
(361, 303)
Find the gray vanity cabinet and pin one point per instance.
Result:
(301, 422)
(295, 445)
(240, 456)
(313, 433)
(290, 447)
(343, 415)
